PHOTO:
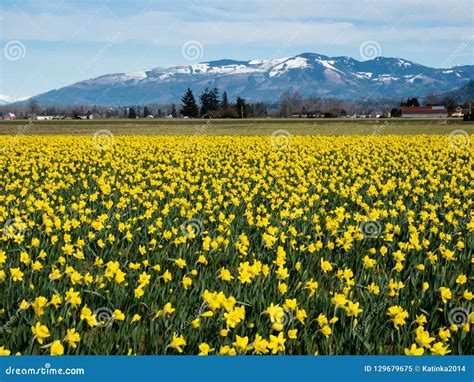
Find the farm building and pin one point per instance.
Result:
(423, 112)
(380, 114)
(458, 112)
(9, 116)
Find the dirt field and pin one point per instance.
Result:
(237, 127)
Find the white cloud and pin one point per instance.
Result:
(64, 39)
(340, 22)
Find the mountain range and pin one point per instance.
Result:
(462, 94)
(310, 74)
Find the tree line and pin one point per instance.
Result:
(212, 106)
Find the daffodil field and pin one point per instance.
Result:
(236, 245)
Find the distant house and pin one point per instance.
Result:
(377, 114)
(310, 114)
(458, 112)
(44, 117)
(423, 112)
(87, 116)
(9, 116)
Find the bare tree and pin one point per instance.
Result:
(33, 107)
(290, 103)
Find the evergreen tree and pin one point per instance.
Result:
(410, 102)
(225, 101)
(132, 113)
(173, 111)
(189, 108)
(204, 98)
(209, 102)
(241, 107)
(395, 112)
(146, 112)
(226, 110)
(214, 99)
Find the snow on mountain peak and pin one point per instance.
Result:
(404, 63)
(5, 99)
(328, 64)
(222, 69)
(291, 63)
(257, 62)
(140, 75)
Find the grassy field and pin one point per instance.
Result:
(265, 126)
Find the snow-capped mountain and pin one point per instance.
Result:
(265, 80)
(5, 100)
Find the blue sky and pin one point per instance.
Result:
(50, 44)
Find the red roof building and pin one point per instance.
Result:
(9, 116)
(423, 112)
